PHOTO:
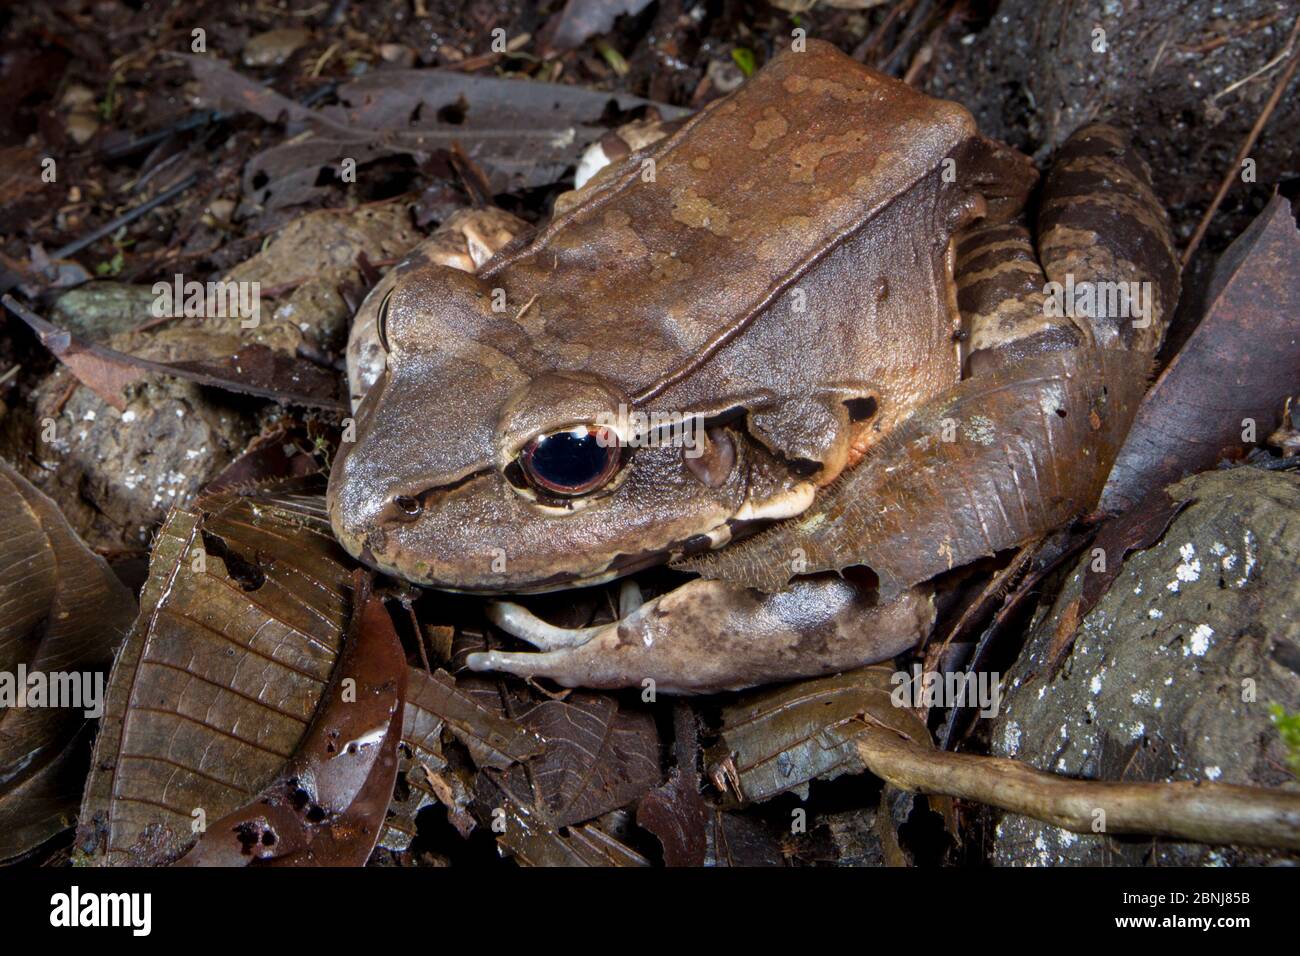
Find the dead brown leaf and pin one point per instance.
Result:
(327, 806)
(242, 619)
(599, 757)
(1236, 368)
(580, 20)
(523, 133)
(777, 740)
(253, 370)
(62, 612)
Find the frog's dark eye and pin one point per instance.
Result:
(381, 323)
(571, 462)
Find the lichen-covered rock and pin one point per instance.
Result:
(1172, 673)
(116, 474)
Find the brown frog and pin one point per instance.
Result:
(709, 337)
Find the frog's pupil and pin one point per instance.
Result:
(570, 460)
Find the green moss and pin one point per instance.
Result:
(1288, 728)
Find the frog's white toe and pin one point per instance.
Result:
(518, 621)
(629, 597)
(558, 665)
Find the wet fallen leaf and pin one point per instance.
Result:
(522, 133)
(773, 741)
(599, 757)
(1029, 449)
(62, 612)
(242, 619)
(328, 804)
(1236, 368)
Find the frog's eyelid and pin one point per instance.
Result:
(381, 323)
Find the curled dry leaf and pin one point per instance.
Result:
(1028, 449)
(1237, 368)
(327, 806)
(781, 739)
(62, 614)
(253, 370)
(522, 133)
(242, 619)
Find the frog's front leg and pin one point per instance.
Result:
(709, 636)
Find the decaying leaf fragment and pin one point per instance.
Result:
(535, 842)
(580, 20)
(434, 704)
(242, 619)
(675, 813)
(987, 466)
(62, 614)
(523, 133)
(777, 740)
(492, 740)
(599, 756)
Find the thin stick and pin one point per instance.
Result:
(1201, 812)
(1232, 171)
(130, 216)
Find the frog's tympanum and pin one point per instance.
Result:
(711, 338)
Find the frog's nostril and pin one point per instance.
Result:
(407, 506)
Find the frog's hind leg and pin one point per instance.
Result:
(1109, 274)
(517, 620)
(710, 636)
(1000, 293)
(1105, 243)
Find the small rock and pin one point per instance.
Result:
(274, 47)
(1165, 682)
(81, 126)
(397, 54)
(221, 209)
(725, 76)
(78, 98)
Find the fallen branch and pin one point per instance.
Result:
(1200, 812)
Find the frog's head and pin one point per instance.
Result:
(471, 471)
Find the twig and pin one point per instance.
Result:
(1231, 173)
(1201, 812)
(130, 216)
(868, 46)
